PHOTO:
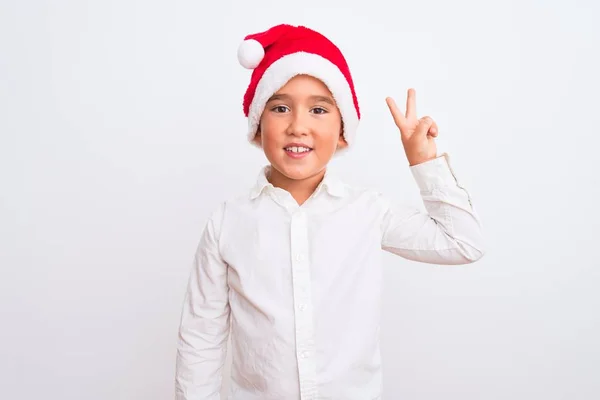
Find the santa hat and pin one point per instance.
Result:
(284, 51)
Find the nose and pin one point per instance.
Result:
(299, 125)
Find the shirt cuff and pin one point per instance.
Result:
(434, 173)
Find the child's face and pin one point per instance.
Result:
(303, 113)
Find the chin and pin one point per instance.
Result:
(297, 172)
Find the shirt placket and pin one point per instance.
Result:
(303, 314)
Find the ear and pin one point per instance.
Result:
(342, 144)
(258, 137)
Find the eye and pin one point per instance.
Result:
(319, 110)
(279, 109)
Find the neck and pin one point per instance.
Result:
(300, 189)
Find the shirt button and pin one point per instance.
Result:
(299, 257)
(304, 354)
(302, 307)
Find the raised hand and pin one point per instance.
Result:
(418, 134)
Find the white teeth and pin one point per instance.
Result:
(297, 149)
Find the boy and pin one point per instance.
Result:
(293, 266)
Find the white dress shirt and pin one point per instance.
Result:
(299, 286)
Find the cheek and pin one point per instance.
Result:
(326, 145)
(335, 124)
(270, 141)
(271, 127)
(330, 132)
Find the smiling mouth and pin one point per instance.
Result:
(297, 149)
(297, 152)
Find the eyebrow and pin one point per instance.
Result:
(283, 96)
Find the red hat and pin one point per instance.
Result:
(284, 51)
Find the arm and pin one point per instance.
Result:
(450, 231)
(204, 325)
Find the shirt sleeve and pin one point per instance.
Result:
(448, 233)
(204, 325)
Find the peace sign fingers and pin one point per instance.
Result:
(405, 122)
(417, 134)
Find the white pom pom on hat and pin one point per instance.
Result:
(250, 53)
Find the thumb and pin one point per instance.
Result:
(423, 127)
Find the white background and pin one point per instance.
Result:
(122, 128)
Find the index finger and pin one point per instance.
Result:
(396, 113)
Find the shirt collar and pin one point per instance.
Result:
(331, 184)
